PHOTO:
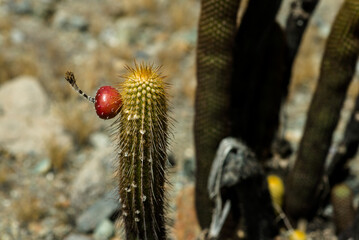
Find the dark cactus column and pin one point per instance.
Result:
(217, 28)
(337, 69)
(344, 213)
(256, 90)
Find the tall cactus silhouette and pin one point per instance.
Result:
(142, 142)
(337, 70)
(238, 93)
(342, 200)
(216, 34)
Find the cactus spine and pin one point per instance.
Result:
(142, 142)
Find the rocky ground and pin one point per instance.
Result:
(56, 157)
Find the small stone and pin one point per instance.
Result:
(96, 214)
(47, 226)
(89, 181)
(78, 23)
(187, 36)
(61, 231)
(99, 140)
(21, 7)
(23, 97)
(189, 168)
(104, 230)
(124, 32)
(43, 166)
(17, 36)
(77, 237)
(45, 8)
(109, 37)
(66, 21)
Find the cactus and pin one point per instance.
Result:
(216, 33)
(342, 200)
(142, 137)
(226, 99)
(337, 70)
(258, 78)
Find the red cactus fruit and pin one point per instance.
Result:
(108, 102)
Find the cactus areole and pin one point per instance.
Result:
(141, 135)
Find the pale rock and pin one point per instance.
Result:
(98, 214)
(67, 21)
(92, 179)
(26, 122)
(104, 230)
(23, 97)
(100, 140)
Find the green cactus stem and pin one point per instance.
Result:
(142, 138)
(337, 70)
(344, 213)
(216, 34)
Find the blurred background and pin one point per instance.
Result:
(56, 156)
